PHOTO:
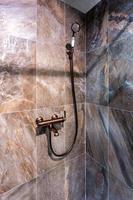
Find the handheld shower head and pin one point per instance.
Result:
(75, 28)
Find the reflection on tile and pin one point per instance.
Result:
(50, 22)
(71, 16)
(51, 186)
(96, 181)
(79, 146)
(18, 149)
(75, 179)
(18, 21)
(17, 74)
(120, 19)
(50, 75)
(50, 44)
(121, 74)
(97, 26)
(120, 149)
(26, 191)
(97, 76)
(97, 138)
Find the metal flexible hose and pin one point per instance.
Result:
(49, 136)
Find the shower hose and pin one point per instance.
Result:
(51, 150)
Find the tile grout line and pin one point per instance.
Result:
(110, 107)
(85, 110)
(40, 108)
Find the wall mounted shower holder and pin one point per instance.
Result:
(54, 124)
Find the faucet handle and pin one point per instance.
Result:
(39, 119)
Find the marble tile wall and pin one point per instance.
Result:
(67, 181)
(102, 185)
(35, 80)
(109, 97)
(56, 17)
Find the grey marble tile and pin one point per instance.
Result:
(109, 141)
(121, 74)
(96, 181)
(118, 190)
(97, 26)
(97, 140)
(101, 185)
(97, 77)
(120, 147)
(75, 178)
(120, 19)
(51, 186)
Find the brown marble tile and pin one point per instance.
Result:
(97, 26)
(18, 149)
(17, 74)
(79, 147)
(120, 19)
(18, 21)
(50, 75)
(50, 22)
(27, 191)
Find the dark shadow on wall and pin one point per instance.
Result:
(15, 70)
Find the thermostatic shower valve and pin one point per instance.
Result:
(54, 124)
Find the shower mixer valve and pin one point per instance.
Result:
(54, 124)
